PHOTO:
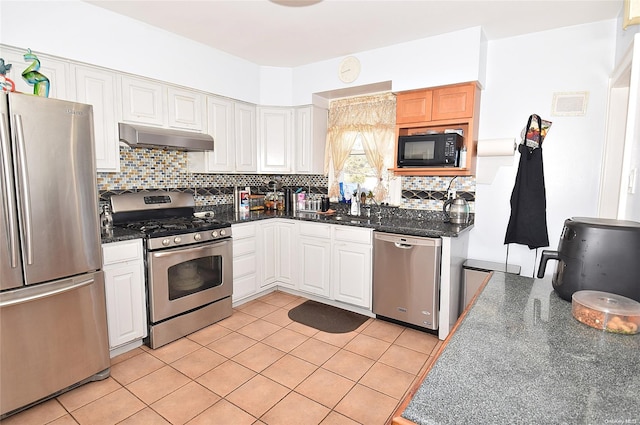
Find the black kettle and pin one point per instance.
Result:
(458, 212)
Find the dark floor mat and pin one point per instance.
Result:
(326, 318)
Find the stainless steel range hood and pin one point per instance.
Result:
(163, 138)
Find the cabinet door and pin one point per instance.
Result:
(413, 106)
(245, 137)
(124, 290)
(352, 273)
(286, 254)
(142, 101)
(245, 261)
(315, 263)
(245, 276)
(98, 88)
(219, 125)
(275, 139)
(186, 109)
(310, 139)
(268, 246)
(453, 102)
(55, 70)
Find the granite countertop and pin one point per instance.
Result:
(519, 356)
(426, 224)
(117, 234)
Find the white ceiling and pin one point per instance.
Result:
(269, 34)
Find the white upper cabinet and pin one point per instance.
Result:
(292, 140)
(233, 127)
(186, 109)
(275, 135)
(142, 101)
(245, 134)
(154, 103)
(310, 139)
(97, 87)
(220, 122)
(57, 71)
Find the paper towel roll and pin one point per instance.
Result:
(493, 154)
(496, 147)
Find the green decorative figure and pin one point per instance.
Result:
(33, 76)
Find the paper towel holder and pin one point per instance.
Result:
(495, 153)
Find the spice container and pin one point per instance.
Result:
(609, 312)
(256, 202)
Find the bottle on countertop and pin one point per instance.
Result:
(236, 198)
(106, 218)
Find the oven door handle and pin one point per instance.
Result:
(183, 250)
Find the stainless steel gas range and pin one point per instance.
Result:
(189, 262)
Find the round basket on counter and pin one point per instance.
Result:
(609, 312)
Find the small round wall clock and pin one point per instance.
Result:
(349, 69)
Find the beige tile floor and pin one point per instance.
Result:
(255, 367)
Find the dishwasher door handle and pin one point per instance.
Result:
(403, 245)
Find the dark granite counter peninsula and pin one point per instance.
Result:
(519, 356)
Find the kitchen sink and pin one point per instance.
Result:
(351, 219)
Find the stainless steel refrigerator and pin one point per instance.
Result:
(53, 329)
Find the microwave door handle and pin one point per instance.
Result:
(21, 156)
(8, 197)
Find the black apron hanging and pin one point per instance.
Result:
(528, 221)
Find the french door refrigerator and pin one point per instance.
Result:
(53, 330)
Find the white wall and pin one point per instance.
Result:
(445, 59)
(76, 30)
(275, 86)
(522, 75)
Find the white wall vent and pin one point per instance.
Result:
(570, 104)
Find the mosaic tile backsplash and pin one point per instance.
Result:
(148, 169)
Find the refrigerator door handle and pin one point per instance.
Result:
(25, 200)
(8, 198)
(25, 295)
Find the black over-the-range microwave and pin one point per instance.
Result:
(429, 150)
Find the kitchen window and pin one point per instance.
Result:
(360, 144)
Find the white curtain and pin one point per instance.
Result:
(374, 118)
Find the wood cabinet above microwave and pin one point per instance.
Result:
(437, 109)
(436, 104)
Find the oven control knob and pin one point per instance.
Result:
(223, 232)
(197, 236)
(177, 239)
(166, 242)
(214, 234)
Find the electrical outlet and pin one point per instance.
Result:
(451, 194)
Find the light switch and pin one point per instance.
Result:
(631, 189)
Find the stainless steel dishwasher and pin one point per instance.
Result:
(406, 278)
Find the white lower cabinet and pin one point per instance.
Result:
(352, 273)
(245, 260)
(335, 262)
(125, 292)
(329, 261)
(314, 249)
(278, 259)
